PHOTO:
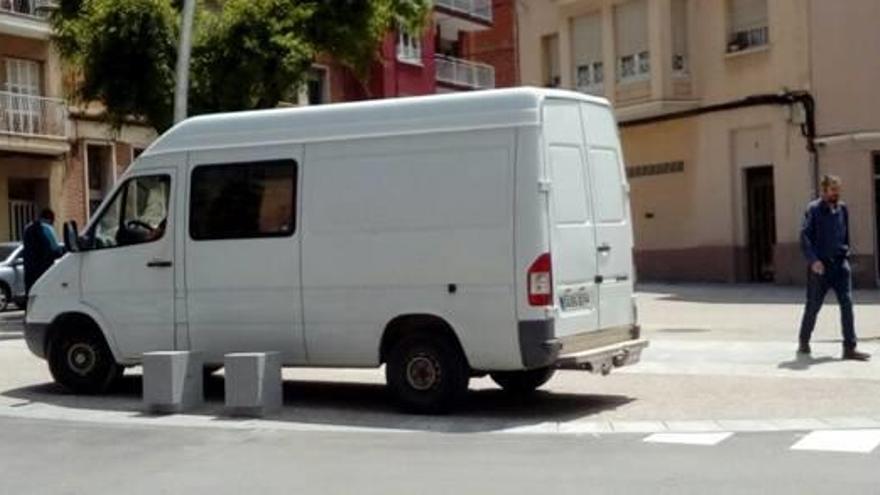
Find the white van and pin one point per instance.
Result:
(444, 236)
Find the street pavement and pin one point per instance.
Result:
(719, 402)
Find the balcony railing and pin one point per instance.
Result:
(32, 115)
(464, 73)
(481, 9)
(34, 8)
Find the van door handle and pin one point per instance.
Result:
(604, 248)
(159, 264)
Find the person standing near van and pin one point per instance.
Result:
(825, 244)
(41, 248)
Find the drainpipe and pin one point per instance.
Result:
(788, 99)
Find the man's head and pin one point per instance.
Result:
(47, 215)
(830, 189)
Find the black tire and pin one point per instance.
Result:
(5, 297)
(522, 382)
(80, 361)
(427, 373)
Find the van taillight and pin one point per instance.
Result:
(541, 281)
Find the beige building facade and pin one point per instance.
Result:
(52, 153)
(721, 104)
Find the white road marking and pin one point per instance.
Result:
(855, 441)
(689, 438)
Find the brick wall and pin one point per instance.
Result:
(497, 46)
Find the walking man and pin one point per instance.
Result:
(825, 244)
(41, 248)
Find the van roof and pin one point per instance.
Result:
(373, 118)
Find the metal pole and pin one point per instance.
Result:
(181, 92)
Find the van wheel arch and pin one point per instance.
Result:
(405, 325)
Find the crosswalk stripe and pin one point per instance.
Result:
(855, 441)
(689, 438)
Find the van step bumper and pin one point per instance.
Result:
(603, 359)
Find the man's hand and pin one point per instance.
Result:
(818, 268)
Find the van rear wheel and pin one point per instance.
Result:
(427, 374)
(80, 361)
(523, 382)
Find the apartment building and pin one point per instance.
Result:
(52, 154)
(449, 55)
(729, 109)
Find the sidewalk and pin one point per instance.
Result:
(753, 312)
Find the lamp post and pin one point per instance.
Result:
(181, 91)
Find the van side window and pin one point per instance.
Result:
(243, 200)
(137, 214)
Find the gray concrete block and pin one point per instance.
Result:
(253, 383)
(173, 381)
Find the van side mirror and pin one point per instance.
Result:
(71, 237)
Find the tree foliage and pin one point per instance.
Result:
(246, 54)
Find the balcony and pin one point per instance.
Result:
(461, 15)
(459, 74)
(25, 18)
(33, 124)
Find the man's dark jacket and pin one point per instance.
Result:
(39, 253)
(825, 232)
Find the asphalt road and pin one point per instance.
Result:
(718, 405)
(39, 457)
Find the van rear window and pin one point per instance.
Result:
(243, 200)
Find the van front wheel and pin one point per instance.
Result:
(427, 374)
(81, 361)
(524, 381)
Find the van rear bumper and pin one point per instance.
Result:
(592, 350)
(604, 359)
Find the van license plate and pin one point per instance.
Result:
(574, 301)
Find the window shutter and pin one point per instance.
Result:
(586, 39)
(679, 27)
(631, 27)
(747, 14)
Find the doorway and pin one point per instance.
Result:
(761, 202)
(877, 211)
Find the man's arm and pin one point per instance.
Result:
(49, 232)
(807, 234)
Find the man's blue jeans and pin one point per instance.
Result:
(838, 277)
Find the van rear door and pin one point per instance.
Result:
(614, 237)
(572, 230)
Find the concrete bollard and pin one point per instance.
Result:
(253, 383)
(173, 381)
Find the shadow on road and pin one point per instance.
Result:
(350, 404)
(803, 363)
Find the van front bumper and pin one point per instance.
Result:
(35, 336)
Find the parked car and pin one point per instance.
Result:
(11, 275)
(445, 236)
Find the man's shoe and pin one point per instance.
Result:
(854, 355)
(804, 349)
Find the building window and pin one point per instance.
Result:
(21, 82)
(550, 60)
(631, 40)
(243, 200)
(100, 175)
(409, 48)
(747, 24)
(679, 37)
(586, 49)
(317, 86)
